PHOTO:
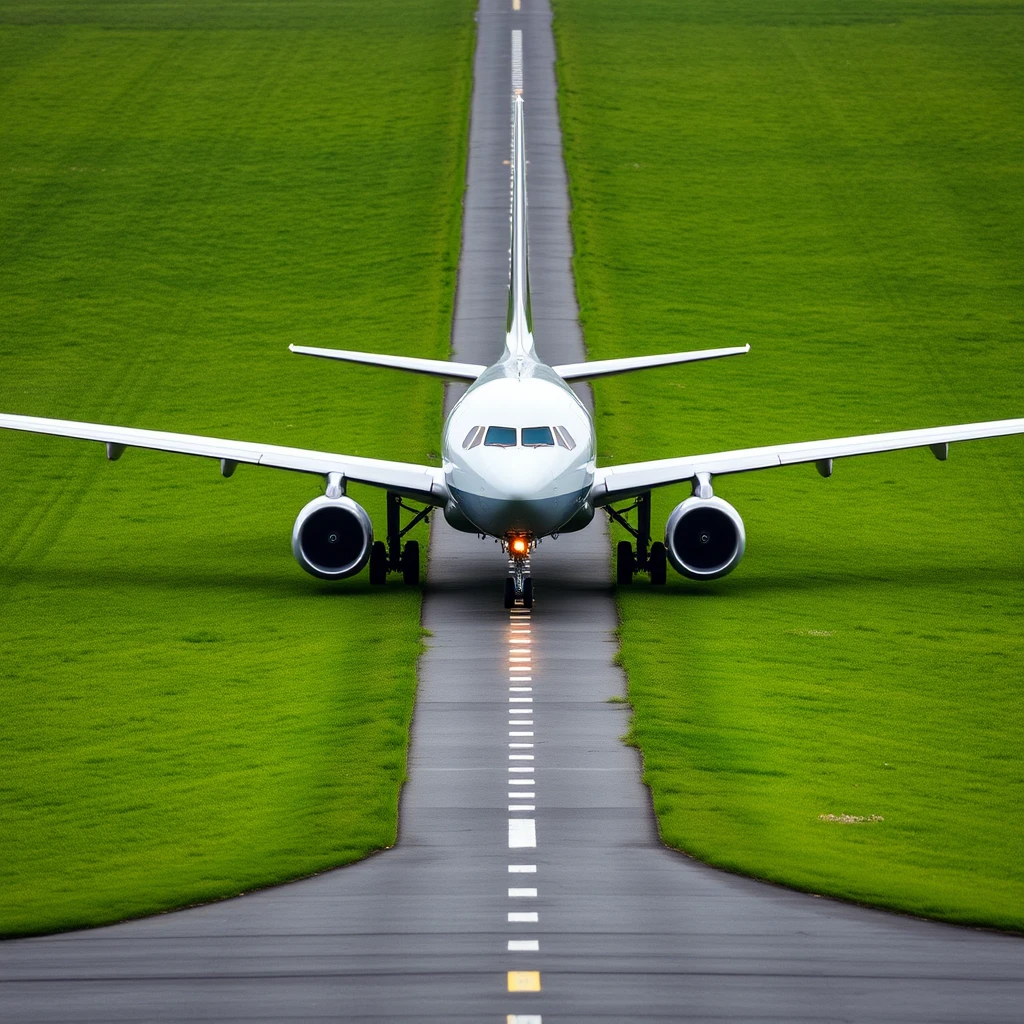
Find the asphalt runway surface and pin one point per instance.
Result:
(606, 922)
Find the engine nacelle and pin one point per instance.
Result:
(332, 538)
(704, 538)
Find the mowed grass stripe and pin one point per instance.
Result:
(187, 188)
(841, 186)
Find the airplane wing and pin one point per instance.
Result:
(617, 482)
(422, 483)
(606, 367)
(432, 367)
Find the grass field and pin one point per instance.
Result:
(842, 186)
(185, 189)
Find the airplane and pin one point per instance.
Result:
(519, 460)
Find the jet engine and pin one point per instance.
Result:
(704, 538)
(332, 538)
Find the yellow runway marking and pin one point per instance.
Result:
(524, 981)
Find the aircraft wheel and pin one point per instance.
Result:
(625, 563)
(657, 563)
(527, 592)
(510, 592)
(411, 563)
(378, 563)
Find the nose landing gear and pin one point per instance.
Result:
(518, 583)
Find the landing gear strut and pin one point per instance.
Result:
(393, 556)
(646, 557)
(518, 583)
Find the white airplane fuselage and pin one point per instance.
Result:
(524, 488)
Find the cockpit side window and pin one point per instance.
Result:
(564, 438)
(474, 437)
(501, 437)
(537, 437)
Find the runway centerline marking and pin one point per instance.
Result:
(522, 833)
(522, 782)
(521, 746)
(522, 894)
(522, 869)
(523, 917)
(520, 733)
(524, 945)
(522, 807)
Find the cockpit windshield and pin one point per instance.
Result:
(528, 437)
(501, 437)
(537, 437)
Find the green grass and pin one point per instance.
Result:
(842, 186)
(185, 189)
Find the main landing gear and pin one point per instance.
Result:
(518, 583)
(645, 557)
(393, 556)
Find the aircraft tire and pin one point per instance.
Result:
(657, 563)
(378, 563)
(625, 563)
(527, 592)
(510, 592)
(411, 563)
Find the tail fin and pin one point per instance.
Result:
(519, 326)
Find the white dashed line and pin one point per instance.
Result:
(522, 1018)
(520, 700)
(521, 679)
(520, 746)
(520, 757)
(522, 869)
(522, 917)
(514, 769)
(520, 689)
(522, 834)
(523, 945)
(522, 796)
(522, 894)
(522, 807)
(522, 782)
(524, 733)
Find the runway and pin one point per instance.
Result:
(528, 857)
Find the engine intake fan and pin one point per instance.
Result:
(332, 538)
(704, 538)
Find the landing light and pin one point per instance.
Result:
(519, 546)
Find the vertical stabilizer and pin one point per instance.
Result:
(519, 327)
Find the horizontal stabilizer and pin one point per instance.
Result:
(431, 367)
(606, 367)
